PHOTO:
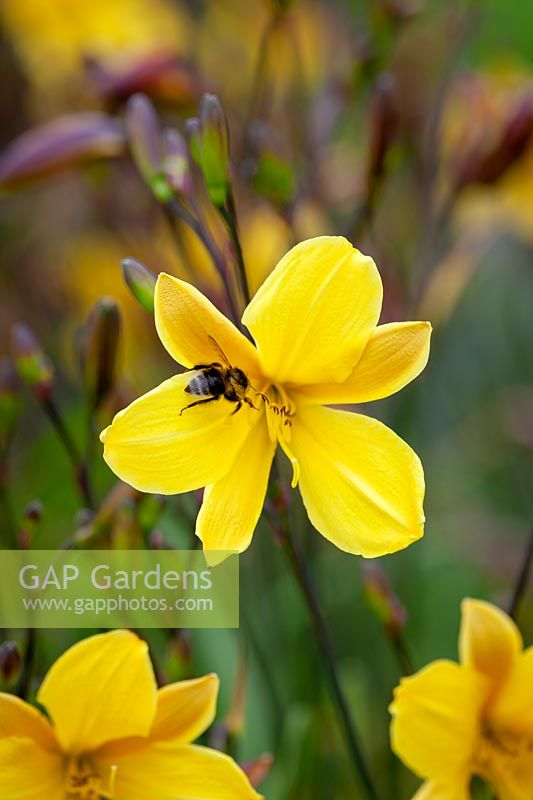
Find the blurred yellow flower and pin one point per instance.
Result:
(53, 38)
(314, 322)
(112, 734)
(456, 721)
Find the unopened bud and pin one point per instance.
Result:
(141, 282)
(99, 342)
(176, 163)
(209, 143)
(10, 662)
(33, 366)
(487, 166)
(258, 769)
(67, 141)
(9, 399)
(144, 133)
(382, 600)
(31, 519)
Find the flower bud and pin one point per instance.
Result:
(258, 769)
(486, 166)
(10, 662)
(32, 364)
(140, 282)
(176, 162)
(9, 399)
(99, 342)
(67, 141)
(382, 600)
(31, 519)
(144, 134)
(209, 144)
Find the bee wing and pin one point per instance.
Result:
(220, 351)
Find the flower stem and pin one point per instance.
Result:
(228, 213)
(80, 469)
(304, 579)
(522, 580)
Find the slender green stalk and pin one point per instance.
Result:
(174, 209)
(26, 677)
(297, 560)
(80, 469)
(229, 215)
(522, 580)
(327, 653)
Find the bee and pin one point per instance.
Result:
(219, 379)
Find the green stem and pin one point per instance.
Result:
(324, 643)
(228, 213)
(80, 469)
(522, 580)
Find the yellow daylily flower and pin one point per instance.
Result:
(453, 722)
(111, 734)
(314, 323)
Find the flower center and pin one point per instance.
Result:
(84, 783)
(504, 759)
(280, 411)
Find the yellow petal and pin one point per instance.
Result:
(436, 717)
(157, 449)
(512, 709)
(164, 771)
(184, 319)
(456, 788)
(393, 357)
(489, 640)
(362, 486)
(231, 507)
(101, 689)
(185, 709)
(29, 772)
(313, 315)
(19, 719)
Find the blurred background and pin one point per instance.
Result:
(402, 124)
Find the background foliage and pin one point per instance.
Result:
(390, 122)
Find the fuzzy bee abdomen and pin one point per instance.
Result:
(208, 383)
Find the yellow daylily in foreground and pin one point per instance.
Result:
(314, 323)
(111, 734)
(453, 722)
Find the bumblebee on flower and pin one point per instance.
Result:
(314, 322)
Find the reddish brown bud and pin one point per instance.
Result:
(10, 662)
(482, 165)
(382, 600)
(258, 769)
(99, 340)
(67, 141)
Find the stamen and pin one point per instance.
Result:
(294, 461)
(83, 783)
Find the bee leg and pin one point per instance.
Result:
(239, 405)
(249, 403)
(198, 403)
